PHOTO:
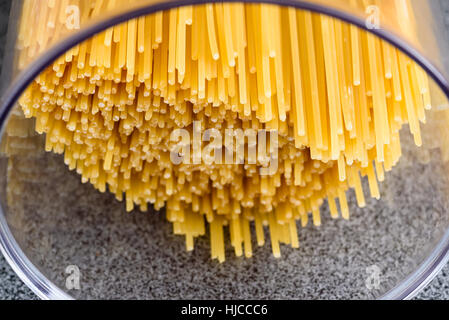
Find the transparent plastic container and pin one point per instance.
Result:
(52, 226)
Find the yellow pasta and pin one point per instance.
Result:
(335, 95)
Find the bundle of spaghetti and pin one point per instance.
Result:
(336, 96)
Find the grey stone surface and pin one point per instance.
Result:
(137, 256)
(11, 287)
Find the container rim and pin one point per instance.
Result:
(45, 289)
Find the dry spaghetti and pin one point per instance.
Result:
(336, 95)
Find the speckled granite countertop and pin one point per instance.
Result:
(11, 287)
